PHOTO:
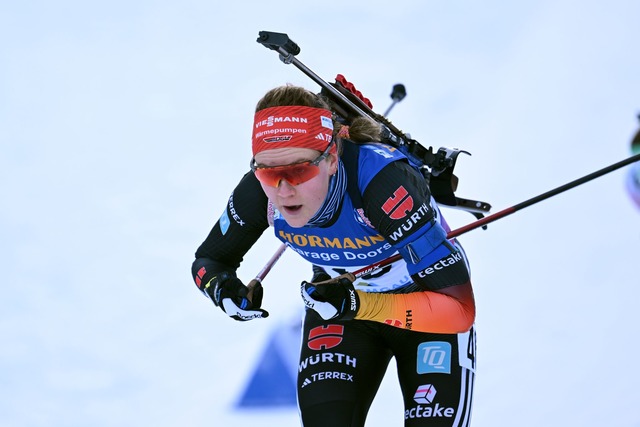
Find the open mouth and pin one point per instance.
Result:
(292, 209)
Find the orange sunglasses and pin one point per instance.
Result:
(294, 173)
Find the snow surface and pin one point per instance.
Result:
(124, 126)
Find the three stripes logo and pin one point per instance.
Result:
(398, 205)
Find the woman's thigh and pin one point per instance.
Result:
(436, 374)
(341, 367)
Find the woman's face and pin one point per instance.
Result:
(298, 203)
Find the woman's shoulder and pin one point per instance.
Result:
(373, 157)
(378, 151)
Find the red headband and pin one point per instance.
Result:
(292, 126)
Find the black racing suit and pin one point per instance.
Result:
(343, 362)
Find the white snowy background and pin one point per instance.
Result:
(124, 126)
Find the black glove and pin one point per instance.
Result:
(320, 274)
(336, 299)
(232, 296)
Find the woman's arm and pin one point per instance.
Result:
(234, 233)
(448, 310)
(397, 202)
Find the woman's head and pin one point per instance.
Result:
(294, 156)
(359, 130)
(295, 150)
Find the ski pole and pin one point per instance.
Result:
(398, 92)
(508, 211)
(462, 230)
(288, 49)
(265, 270)
(349, 104)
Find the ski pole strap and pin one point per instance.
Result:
(424, 244)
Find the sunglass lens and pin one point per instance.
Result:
(293, 174)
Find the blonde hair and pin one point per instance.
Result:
(360, 130)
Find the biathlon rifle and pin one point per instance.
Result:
(349, 103)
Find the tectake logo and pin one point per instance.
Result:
(398, 205)
(424, 395)
(434, 358)
(440, 265)
(325, 337)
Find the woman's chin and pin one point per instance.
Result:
(296, 222)
(295, 218)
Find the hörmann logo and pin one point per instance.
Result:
(311, 240)
(271, 120)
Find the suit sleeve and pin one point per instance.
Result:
(397, 202)
(241, 224)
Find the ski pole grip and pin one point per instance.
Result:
(349, 276)
(251, 287)
(274, 41)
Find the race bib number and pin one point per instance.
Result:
(467, 349)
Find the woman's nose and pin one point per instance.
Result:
(284, 188)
